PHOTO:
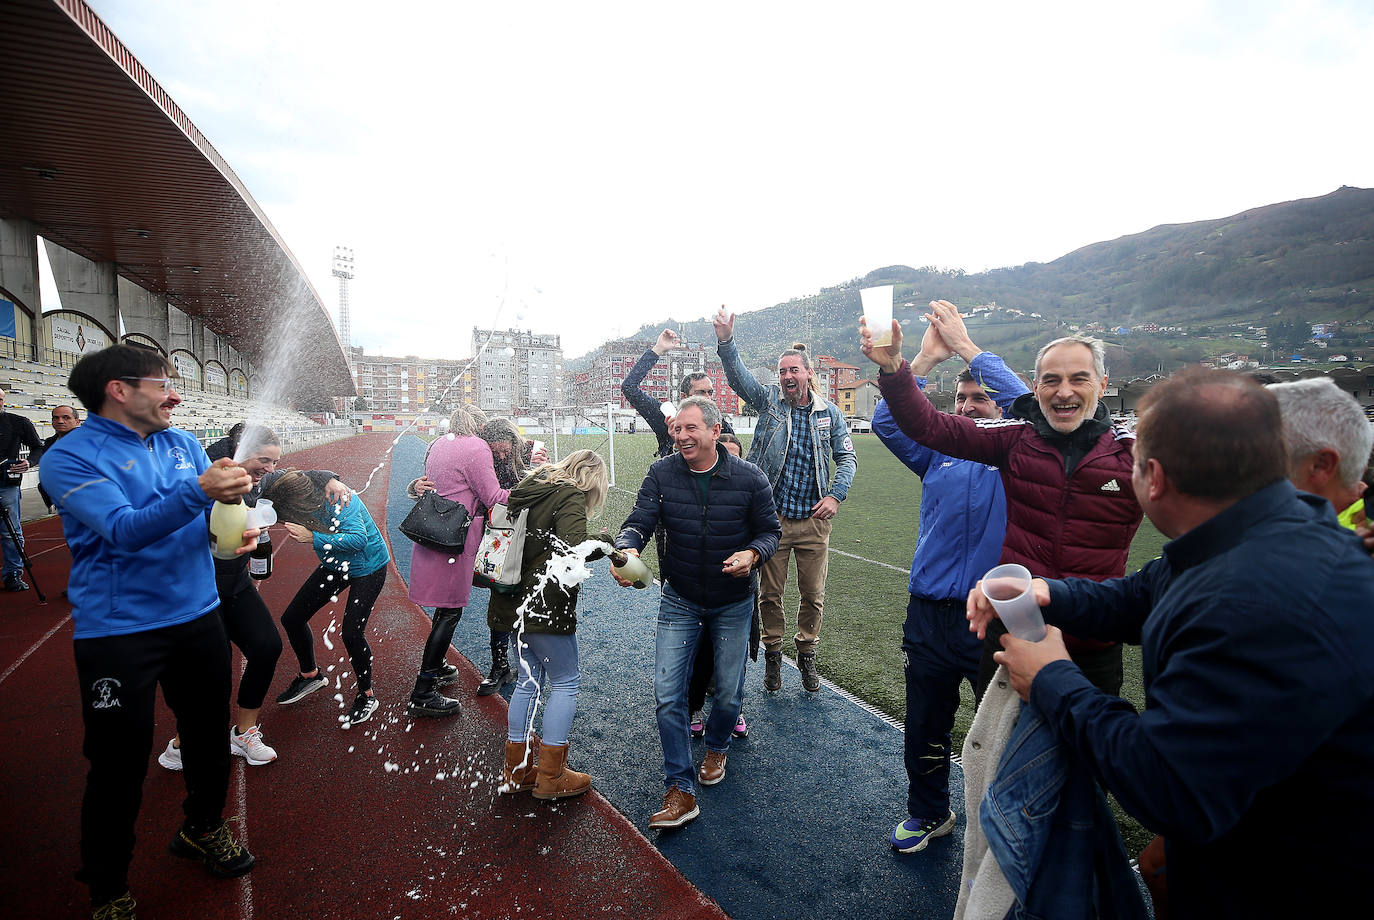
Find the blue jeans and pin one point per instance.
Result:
(9, 506)
(681, 624)
(551, 659)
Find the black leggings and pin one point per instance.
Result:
(323, 584)
(249, 625)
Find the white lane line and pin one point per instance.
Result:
(33, 648)
(895, 568)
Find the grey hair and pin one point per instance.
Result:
(710, 413)
(1096, 346)
(1318, 414)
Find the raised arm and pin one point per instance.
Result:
(644, 404)
(741, 381)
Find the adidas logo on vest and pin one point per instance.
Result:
(1111, 486)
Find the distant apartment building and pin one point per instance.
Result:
(858, 400)
(412, 384)
(834, 375)
(613, 361)
(517, 370)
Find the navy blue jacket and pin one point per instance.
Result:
(739, 514)
(1257, 635)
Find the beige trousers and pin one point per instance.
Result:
(809, 540)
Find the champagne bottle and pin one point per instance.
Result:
(227, 524)
(260, 559)
(631, 568)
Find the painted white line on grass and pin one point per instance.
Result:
(895, 568)
(33, 648)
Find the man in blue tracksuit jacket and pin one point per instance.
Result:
(1254, 753)
(133, 494)
(962, 523)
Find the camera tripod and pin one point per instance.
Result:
(23, 555)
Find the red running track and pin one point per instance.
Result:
(354, 823)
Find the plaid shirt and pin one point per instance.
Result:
(797, 489)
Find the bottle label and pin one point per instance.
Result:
(258, 566)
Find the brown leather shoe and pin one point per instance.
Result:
(519, 773)
(712, 769)
(678, 808)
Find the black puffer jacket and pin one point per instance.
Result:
(738, 514)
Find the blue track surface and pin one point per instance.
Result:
(799, 826)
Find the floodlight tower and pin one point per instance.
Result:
(343, 270)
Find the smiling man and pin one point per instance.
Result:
(1065, 468)
(797, 439)
(717, 512)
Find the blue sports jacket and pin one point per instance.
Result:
(829, 433)
(355, 547)
(648, 407)
(738, 514)
(134, 518)
(963, 507)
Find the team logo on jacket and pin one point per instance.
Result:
(179, 455)
(106, 691)
(1111, 486)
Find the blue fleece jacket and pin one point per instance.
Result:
(355, 545)
(963, 506)
(133, 514)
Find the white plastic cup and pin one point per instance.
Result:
(1009, 589)
(668, 409)
(877, 303)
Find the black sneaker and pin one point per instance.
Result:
(221, 853)
(15, 582)
(120, 908)
(772, 670)
(363, 708)
(811, 678)
(301, 687)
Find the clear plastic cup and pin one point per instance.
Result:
(1008, 587)
(877, 303)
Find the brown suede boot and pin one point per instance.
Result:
(519, 774)
(556, 781)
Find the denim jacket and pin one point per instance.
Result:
(1048, 826)
(830, 434)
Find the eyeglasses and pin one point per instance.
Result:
(164, 382)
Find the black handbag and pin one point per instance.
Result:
(437, 523)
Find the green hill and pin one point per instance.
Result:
(1289, 264)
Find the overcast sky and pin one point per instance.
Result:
(581, 168)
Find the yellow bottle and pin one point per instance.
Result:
(227, 524)
(631, 568)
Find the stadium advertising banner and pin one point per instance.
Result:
(73, 336)
(187, 367)
(8, 325)
(214, 375)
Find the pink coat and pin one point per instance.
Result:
(462, 470)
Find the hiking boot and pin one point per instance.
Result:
(500, 675)
(520, 772)
(15, 582)
(445, 675)
(811, 678)
(217, 848)
(678, 808)
(171, 758)
(301, 687)
(772, 670)
(741, 729)
(363, 708)
(712, 769)
(698, 725)
(425, 700)
(555, 779)
(912, 835)
(249, 746)
(120, 908)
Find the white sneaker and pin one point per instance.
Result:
(171, 758)
(249, 746)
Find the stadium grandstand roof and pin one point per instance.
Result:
(97, 155)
